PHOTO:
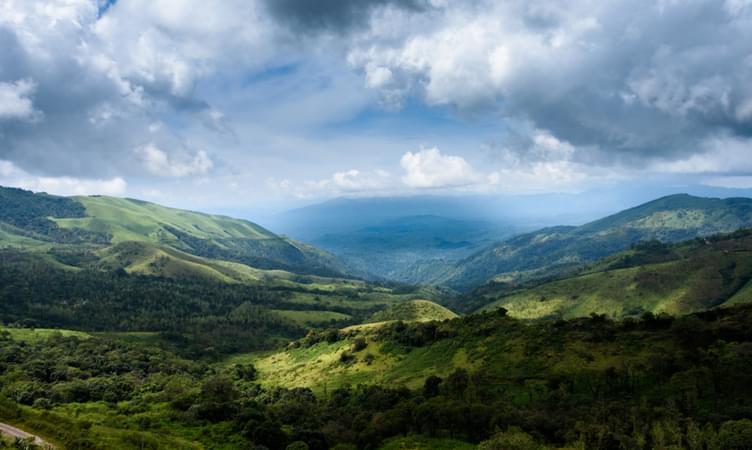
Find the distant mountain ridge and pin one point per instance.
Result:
(556, 250)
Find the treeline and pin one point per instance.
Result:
(28, 215)
(200, 316)
(267, 253)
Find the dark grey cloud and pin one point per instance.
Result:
(335, 16)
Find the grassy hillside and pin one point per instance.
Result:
(651, 277)
(413, 310)
(486, 380)
(551, 377)
(553, 251)
(29, 220)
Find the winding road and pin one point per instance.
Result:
(9, 430)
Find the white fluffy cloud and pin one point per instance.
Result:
(428, 168)
(10, 175)
(599, 88)
(722, 153)
(159, 163)
(15, 100)
(623, 78)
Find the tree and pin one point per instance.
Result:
(735, 435)
(512, 439)
(431, 386)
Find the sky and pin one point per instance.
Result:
(245, 104)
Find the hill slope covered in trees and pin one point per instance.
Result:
(652, 277)
(553, 251)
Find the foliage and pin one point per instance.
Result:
(555, 251)
(651, 277)
(420, 310)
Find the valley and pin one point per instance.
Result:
(140, 326)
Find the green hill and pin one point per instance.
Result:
(413, 310)
(651, 277)
(554, 251)
(39, 220)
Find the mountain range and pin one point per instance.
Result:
(557, 250)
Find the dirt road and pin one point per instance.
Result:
(9, 430)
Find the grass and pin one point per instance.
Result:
(417, 442)
(319, 367)
(41, 334)
(414, 310)
(129, 220)
(512, 351)
(313, 318)
(696, 278)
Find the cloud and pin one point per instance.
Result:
(77, 186)
(15, 101)
(566, 93)
(346, 182)
(159, 163)
(103, 73)
(10, 175)
(336, 16)
(621, 80)
(428, 168)
(730, 182)
(720, 153)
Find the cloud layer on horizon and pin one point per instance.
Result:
(289, 98)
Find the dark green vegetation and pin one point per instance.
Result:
(650, 277)
(559, 250)
(206, 285)
(656, 382)
(200, 317)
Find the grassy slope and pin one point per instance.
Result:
(308, 366)
(38, 221)
(40, 334)
(414, 310)
(149, 239)
(558, 250)
(127, 219)
(689, 277)
(506, 350)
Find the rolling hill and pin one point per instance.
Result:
(413, 311)
(553, 251)
(123, 265)
(39, 220)
(692, 276)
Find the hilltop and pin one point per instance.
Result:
(413, 311)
